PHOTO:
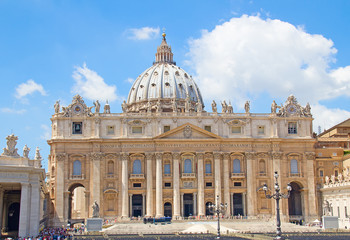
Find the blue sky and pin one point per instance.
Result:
(236, 51)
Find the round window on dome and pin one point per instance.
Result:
(177, 73)
(141, 86)
(166, 73)
(153, 84)
(167, 84)
(186, 75)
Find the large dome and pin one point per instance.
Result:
(164, 87)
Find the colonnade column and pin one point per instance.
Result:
(176, 184)
(149, 176)
(1, 204)
(34, 210)
(227, 183)
(251, 189)
(201, 208)
(125, 185)
(24, 211)
(159, 185)
(217, 157)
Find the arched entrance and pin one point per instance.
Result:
(207, 211)
(13, 217)
(168, 211)
(77, 208)
(294, 201)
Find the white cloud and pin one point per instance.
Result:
(144, 33)
(249, 56)
(13, 111)
(130, 80)
(326, 117)
(29, 87)
(46, 134)
(92, 86)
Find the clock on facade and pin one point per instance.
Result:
(291, 109)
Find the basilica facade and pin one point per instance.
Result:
(165, 155)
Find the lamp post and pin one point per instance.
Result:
(277, 195)
(218, 208)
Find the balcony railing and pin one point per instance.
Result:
(208, 174)
(82, 176)
(295, 175)
(137, 176)
(237, 175)
(110, 175)
(262, 174)
(188, 175)
(167, 175)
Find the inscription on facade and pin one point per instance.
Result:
(199, 145)
(13, 175)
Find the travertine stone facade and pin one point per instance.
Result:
(166, 156)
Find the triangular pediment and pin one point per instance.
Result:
(188, 131)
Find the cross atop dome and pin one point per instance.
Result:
(164, 54)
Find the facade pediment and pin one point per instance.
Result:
(188, 131)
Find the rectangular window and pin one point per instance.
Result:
(136, 129)
(166, 168)
(77, 127)
(137, 185)
(167, 184)
(336, 173)
(292, 128)
(237, 184)
(334, 154)
(208, 184)
(166, 128)
(207, 128)
(321, 173)
(110, 130)
(236, 130)
(261, 130)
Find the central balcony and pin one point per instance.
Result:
(237, 175)
(137, 176)
(188, 175)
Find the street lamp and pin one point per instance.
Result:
(277, 196)
(218, 208)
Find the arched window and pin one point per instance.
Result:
(136, 169)
(188, 166)
(76, 168)
(208, 167)
(262, 167)
(294, 166)
(236, 166)
(110, 166)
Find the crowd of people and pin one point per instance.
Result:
(55, 233)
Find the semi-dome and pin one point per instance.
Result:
(164, 87)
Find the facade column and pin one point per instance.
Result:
(176, 184)
(244, 201)
(276, 163)
(182, 204)
(59, 198)
(251, 188)
(159, 185)
(1, 205)
(310, 174)
(24, 214)
(125, 185)
(97, 127)
(143, 204)
(66, 204)
(130, 204)
(95, 181)
(149, 176)
(87, 203)
(231, 204)
(201, 206)
(194, 204)
(227, 183)
(34, 210)
(217, 157)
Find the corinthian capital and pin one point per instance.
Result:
(250, 155)
(125, 156)
(96, 156)
(61, 156)
(217, 155)
(176, 156)
(277, 155)
(159, 156)
(200, 155)
(226, 156)
(310, 155)
(149, 156)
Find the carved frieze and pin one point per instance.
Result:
(187, 131)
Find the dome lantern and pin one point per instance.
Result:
(164, 54)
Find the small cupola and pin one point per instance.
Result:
(164, 54)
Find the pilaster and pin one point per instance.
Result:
(176, 183)
(251, 185)
(310, 174)
(59, 198)
(23, 230)
(96, 158)
(217, 158)
(34, 209)
(159, 185)
(149, 176)
(226, 182)
(125, 185)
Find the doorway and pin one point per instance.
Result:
(13, 217)
(168, 211)
(238, 204)
(188, 204)
(137, 205)
(294, 200)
